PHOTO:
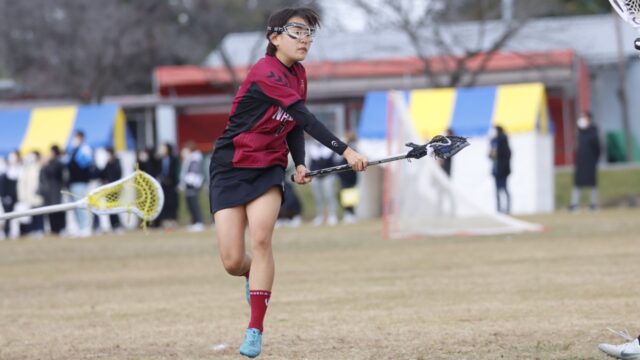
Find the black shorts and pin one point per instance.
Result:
(230, 187)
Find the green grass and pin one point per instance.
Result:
(340, 292)
(617, 187)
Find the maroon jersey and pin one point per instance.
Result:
(255, 136)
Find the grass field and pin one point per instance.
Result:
(340, 293)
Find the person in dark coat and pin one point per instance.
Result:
(587, 154)
(290, 213)
(168, 176)
(500, 154)
(348, 182)
(52, 181)
(147, 162)
(191, 180)
(445, 164)
(112, 172)
(9, 189)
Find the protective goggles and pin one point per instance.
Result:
(294, 30)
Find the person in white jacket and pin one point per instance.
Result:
(28, 188)
(191, 181)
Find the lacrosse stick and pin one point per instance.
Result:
(629, 11)
(138, 193)
(442, 147)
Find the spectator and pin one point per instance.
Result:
(168, 178)
(290, 213)
(28, 189)
(3, 176)
(191, 181)
(587, 154)
(445, 164)
(147, 163)
(323, 187)
(80, 165)
(348, 190)
(10, 191)
(52, 179)
(500, 153)
(446, 200)
(111, 172)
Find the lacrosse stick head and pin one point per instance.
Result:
(444, 147)
(629, 11)
(138, 193)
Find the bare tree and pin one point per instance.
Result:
(446, 57)
(89, 49)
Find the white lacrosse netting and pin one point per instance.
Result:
(419, 199)
(629, 11)
(139, 194)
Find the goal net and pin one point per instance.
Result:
(420, 199)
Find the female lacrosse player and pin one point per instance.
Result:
(267, 119)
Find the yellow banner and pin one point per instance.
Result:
(431, 110)
(517, 108)
(48, 126)
(119, 134)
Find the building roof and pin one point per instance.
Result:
(591, 37)
(183, 79)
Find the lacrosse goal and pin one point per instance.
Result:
(419, 198)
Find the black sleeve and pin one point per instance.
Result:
(295, 141)
(305, 119)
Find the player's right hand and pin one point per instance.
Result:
(300, 176)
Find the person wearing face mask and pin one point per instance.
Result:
(586, 157)
(3, 176)
(191, 181)
(10, 190)
(500, 155)
(52, 178)
(168, 177)
(29, 196)
(79, 165)
(112, 172)
(147, 162)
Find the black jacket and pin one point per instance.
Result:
(168, 177)
(112, 171)
(52, 180)
(587, 154)
(502, 158)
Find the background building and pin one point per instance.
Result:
(577, 59)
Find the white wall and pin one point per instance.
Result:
(531, 182)
(166, 129)
(605, 104)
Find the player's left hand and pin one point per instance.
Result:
(299, 177)
(357, 161)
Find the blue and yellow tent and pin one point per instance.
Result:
(471, 112)
(39, 128)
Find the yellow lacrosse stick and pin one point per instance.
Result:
(138, 193)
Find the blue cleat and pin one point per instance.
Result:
(246, 292)
(252, 344)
